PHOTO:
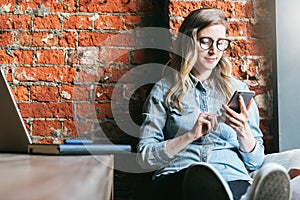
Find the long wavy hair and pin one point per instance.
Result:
(185, 57)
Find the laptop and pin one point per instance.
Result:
(14, 137)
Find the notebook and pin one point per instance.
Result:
(14, 137)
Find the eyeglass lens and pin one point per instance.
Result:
(206, 43)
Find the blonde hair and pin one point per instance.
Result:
(185, 58)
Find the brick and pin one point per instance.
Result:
(236, 67)
(78, 22)
(91, 75)
(98, 6)
(238, 28)
(45, 141)
(92, 38)
(26, 5)
(106, 39)
(141, 56)
(178, 8)
(67, 40)
(82, 126)
(85, 110)
(34, 39)
(8, 5)
(103, 93)
(245, 69)
(45, 128)
(6, 38)
(73, 57)
(49, 74)
(251, 48)
(47, 22)
(46, 110)
(44, 93)
(113, 73)
(20, 22)
(108, 75)
(85, 57)
(66, 92)
(114, 55)
(107, 6)
(261, 29)
(4, 58)
(225, 6)
(175, 24)
(45, 39)
(63, 6)
(55, 57)
(52, 5)
(132, 22)
(103, 110)
(108, 22)
(75, 92)
(8, 72)
(20, 93)
(121, 40)
(70, 128)
(127, 6)
(243, 9)
(23, 56)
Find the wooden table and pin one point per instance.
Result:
(34, 177)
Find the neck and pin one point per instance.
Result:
(201, 76)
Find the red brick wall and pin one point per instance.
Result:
(50, 52)
(49, 46)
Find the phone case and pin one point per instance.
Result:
(234, 103)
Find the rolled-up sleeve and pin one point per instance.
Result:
(152, 153)
(254, 159)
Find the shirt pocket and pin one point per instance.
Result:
(226, 132)
(179, 122)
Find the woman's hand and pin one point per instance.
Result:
(203, 125)
(239, 122)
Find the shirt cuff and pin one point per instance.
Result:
(253, 159)
(164, 154)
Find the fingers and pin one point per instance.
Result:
(230, 117)
(243, 107)
(235, 120)
(210, 120)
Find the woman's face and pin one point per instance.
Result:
(209, 58)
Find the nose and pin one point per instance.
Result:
(213, 49)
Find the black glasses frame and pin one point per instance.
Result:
(210, 42)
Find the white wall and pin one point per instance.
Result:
(288, 69)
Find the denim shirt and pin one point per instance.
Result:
(220, 147)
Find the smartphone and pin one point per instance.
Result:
(234, 102)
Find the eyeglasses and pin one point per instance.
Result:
(207, 42)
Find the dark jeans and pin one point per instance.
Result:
(169, 187)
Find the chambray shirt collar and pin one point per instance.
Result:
(196, 83)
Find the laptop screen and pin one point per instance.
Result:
(13, 134)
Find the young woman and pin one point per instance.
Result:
(199, 147)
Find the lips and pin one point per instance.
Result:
(211, 59)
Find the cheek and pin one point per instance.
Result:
(201, 53)
(219, 56)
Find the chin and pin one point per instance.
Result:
(211, 66)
